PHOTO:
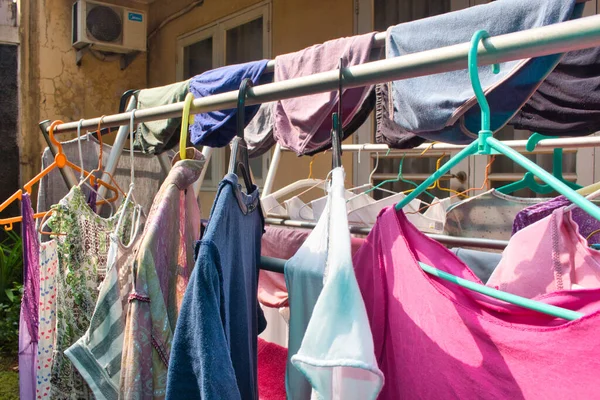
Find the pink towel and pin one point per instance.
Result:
(304, 123)
(271, 370)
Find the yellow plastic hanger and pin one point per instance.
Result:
(60, 161)
(186, 120)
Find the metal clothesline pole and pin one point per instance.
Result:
(558, 38)
(518, 145)
(445, 239)
(562, 37)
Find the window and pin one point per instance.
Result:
(240, 38)
(578, 165)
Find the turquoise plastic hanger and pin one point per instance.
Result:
(399, 178)
(528, 181)
(486, 144)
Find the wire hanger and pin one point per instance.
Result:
(486, 144)
(528, 181)
(239, 148)
(91, 175)
(83, 178)
(137, 209)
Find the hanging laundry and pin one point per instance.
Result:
(154, 137)
(271, 371)
(547, 256)
(336, 354)
(97, 355)
(283, 243)
(259, 131)
(432, 220)
(272, 208)
(437, 340)
(149, 174)
(567, 103)
(387, 131)
(482, 263)
(442, 106)
(163, 264)
(303, 124)
(304, 276)
(586, 223)
(217, 128)
(83, 242)
(353, 201)
(48, 260)
(215, 343)
(29, 316)
(279, 242)
(489, 215)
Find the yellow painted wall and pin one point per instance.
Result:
(53, 86)
(296, 24)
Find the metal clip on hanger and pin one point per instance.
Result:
(239, 148)
(336, 125)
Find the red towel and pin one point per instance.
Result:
(271, 370)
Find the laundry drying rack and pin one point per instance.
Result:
(558, 38)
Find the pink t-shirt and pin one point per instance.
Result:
(547, 256)
(436, 340)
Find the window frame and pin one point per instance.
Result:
(218, 31)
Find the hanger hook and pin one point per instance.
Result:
(186, 119)
(81, 176)
(241, 104)
(59, 158)
(474, 76)
(239, 144)
(131, 130)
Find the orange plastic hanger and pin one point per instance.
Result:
(60, 161)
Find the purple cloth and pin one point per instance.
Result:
(587, 224)
(93, 197)
(303, 124)
(28, 322)
(217, 128)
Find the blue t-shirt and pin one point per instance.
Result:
(213, 355)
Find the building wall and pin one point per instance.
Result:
(53, 86)
(296, 24)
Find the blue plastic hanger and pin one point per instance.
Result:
(528, 181)
(398, 178)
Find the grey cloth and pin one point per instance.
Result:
(154, 137)
(442, 106)
(259, 131)
(148, 174)
(489, 215)
(482, 263)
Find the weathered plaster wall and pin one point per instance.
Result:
(54, 86)
(296, 24)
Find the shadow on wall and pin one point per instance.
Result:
(9, 149)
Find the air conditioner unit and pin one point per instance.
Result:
(107, 27)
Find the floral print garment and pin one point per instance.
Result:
(47, 317)
(83, 243)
